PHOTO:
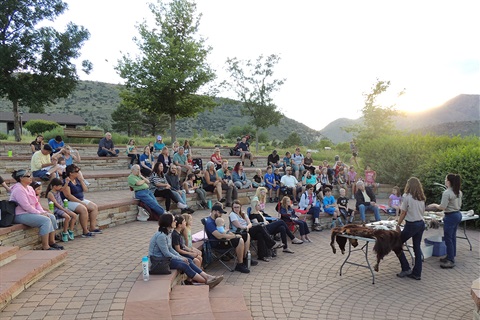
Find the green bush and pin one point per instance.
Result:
(3, 136)
(40, 126)
(57, 131)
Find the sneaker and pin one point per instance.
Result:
(241, 268)
(181, 205)
(88, 235)
(214, 282)
(252, 165)
(287, 250)
(270, 200)
(253, 262)
(64, 236)
(444, 259)
(190, 210)
(412, 276)
(404, 274)
(277, 245)
(447, 265)
(297, 241)
(308, 240)
(96, 231)
(223, 200)
(71, 235)
(56, 246)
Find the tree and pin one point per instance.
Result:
(292, 140)
(127, 118)
(168, 75)
(252, 83)
(377, 119)
(35, 62)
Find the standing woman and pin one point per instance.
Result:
(451, 204)
(412, 209)
(30, 212)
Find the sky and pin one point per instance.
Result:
(332, 52)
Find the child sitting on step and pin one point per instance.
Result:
(342, 204)
(53, 195)
(330, 206)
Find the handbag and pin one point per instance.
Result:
(7, 213)
(160, 265)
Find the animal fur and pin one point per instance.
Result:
(385, 240)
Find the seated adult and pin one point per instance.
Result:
(29, 211)
(227, 183)
(288, 214)
(164, 158)
(297, 163)
(216, 158)
(323, 181)
(308, 162)
(146, 162)
(42, 165)
(37, 144)
(274, 227)
(132, 153)
(236, 240)
(308, 203)
(212, 182)
(180, 160)
(290, 184)
(56, 144)
(174, 181)
(141, 186)
(240, 223)
(106, 147)
(73, 190)
(70, 155)
(158, 146)
(244, 148)
(273, 160)
(161, 247)
(163, 188)
(178, 242)
(365, 200)
(240, 178)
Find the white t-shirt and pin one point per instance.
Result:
(289, 181)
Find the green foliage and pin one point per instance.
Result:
(3, 136)
(127, 118)
(252, 83)
(172, 68)
(292, 140)
(36, 64)
(239, 131)
(461, 159)
(40, 126)
(263, 137)
(57, 131)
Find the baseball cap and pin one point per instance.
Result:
(218, 208)
(159, 137)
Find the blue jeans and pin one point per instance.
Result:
(450, 224)
(413, 230)
(147, 197)
(190, 269)
(40, 173)
(362, 208)
(315, 212)
(45, 224)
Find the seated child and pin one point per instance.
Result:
(394, 202)
(53, 195)
(342, 203)
(272, 184)
(220, 223)
(330, 207)
(258, 179)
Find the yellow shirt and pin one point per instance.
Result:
(39, 159)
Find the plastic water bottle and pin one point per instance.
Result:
(51, 206)
(65, 203)
(146, 274)
(249, 259)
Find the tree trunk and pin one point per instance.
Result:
(256, 140)
(16, 121)
(172, 128)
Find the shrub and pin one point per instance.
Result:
(40, 126)
(57, 131)
(3, 136)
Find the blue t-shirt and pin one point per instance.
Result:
(56, 146)
(269, 178)
(147, 159)
(158, 146)
(328, 201)
(210, 226)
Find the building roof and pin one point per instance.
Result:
(60, 118)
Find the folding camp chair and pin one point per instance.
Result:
(217, 250)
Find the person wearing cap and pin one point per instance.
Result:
(41, 163)
(106, 148)
(56, 144)
(274, 160)
(236, 240)
(29, 211)
(158, 146)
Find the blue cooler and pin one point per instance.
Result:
(439, 247)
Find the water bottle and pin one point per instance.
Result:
(249, 259)
(65, 203)
(51, 206)
(145, 272)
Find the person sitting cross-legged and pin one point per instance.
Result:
(365, 200)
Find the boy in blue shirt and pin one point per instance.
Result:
(271, 184)
(330, 206)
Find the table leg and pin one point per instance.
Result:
(465, 233)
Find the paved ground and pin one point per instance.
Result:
(99, 273)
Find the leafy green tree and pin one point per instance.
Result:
(35, 62)
(154, 123)
(172, 68)
(253, 84)
(292, 140)
(40, 126)
(377, 119)
(127, 118)
(239, 131)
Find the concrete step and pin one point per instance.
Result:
(7, 254)
(27, 268)
(190, 302)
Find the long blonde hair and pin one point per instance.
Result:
(261, 198)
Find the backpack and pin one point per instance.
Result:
(7, 213)
(197, 164)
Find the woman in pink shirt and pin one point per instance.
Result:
(29, 211)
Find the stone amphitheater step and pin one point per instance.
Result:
(22, 268)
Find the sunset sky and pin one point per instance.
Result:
(331, 52)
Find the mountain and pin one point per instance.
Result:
(95, 102)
